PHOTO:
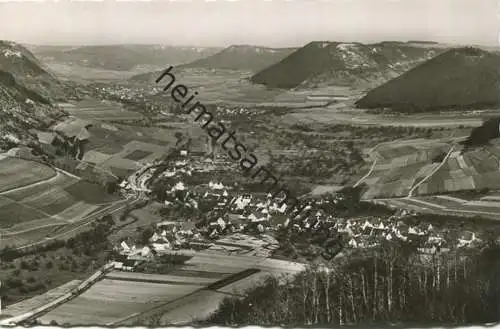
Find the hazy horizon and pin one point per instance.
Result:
(278, 23)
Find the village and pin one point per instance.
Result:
(236, 222)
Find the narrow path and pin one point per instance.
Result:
(367, 174)
(48, 180)
(410, 193)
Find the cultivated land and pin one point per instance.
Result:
(15, 173)
(417, 174)
(99, 111)
(426, 175)
(32, 208)
(121, 297)
(344, 113)
(232, 87)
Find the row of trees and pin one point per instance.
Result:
(388, 285)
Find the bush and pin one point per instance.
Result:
(14, 283)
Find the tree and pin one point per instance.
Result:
(145, 235)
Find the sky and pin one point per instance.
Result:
(275, 23)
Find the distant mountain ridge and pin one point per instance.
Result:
(242, 57)
(324, 63)
(460, 78)
(235, 57)
(121, 57)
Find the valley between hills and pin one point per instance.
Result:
(116, 208)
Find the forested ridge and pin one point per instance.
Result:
(392, 284)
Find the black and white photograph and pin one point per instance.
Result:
(282, 163)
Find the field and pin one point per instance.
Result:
(344, 113)
(37, 301)
(97, 111)
(87, 74)
(475, 169)
(35, 210)
(417, 166)
(189, 291)
(446, 205)
(233, 87)
(15, 173)
(123, 149)
(400, 166)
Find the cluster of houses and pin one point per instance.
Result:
(369, 233)
(231, 212)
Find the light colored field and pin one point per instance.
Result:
(77, 211)
(95, 110)
(240, 287)
(40, 300)
(156, 150)
(349, 115)
(196, 306)
(448, 206)
(18, 172)
(110, 300)
(72, 125)
(119, 162)
(95, 157)
(84, 74)
(114, 299)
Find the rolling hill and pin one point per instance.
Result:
(460, 78)
(30, 73)
(120, 57)
(320, 64)
(242, 57)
